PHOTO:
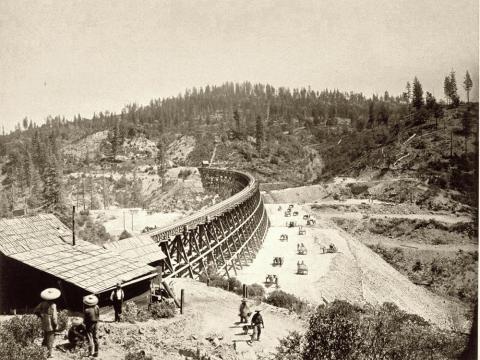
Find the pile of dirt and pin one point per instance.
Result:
(182, 191)
(88, 145)
(139, 147)
(298, 195)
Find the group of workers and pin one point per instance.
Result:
(256, 322)
(80, 329)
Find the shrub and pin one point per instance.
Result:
(417, 266)
(137, 355)
(162, 310)
(358, 189)
(290, 347)
(285, 300)
(333, 332)
(24, 329)
(17, 336)
(235, 285)
(256, 290)
(9, 349)
(124, 235)
(218, 281)
(62, 320)
(274, 160)
(340, 330)
(184, 174)
(132, 313)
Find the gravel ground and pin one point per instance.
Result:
(354, 273)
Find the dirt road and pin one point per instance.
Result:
(210, 313)
(354, 273)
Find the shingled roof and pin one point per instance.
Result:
(45, 244)
(140, 248)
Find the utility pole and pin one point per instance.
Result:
(73, 226)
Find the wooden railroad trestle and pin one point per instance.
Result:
(224, 237)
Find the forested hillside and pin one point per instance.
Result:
(294, 136)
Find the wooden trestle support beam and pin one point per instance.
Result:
(226, 239)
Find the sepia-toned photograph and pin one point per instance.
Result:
(239, 179)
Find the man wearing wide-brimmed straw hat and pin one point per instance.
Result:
(91, 316)
(244, 311)
(47, 311)
(77, 333)
(257, 322)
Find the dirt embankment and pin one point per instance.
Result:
(209, 326)
(410, 230)
(354, 273)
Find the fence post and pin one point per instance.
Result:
(182, 299)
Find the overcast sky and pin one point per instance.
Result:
(67, 57)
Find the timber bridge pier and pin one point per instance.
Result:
(225, 236)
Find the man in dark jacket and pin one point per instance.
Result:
(257, 322)
(116, 297)
(76, 334)
(91, 316)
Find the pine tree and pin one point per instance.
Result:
(450, 89)
(52, 191)
(113, 139)
(466, 124)
(236, 117)
(467, 85)
(417, 100)
(35, 199)
(259, 133)
(371, 115)
(447, 88)
(383, 114)
(453, 90)
(408, 93)
(430, 101)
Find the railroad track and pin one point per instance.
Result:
(221, 238)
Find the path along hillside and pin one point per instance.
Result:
(209, 324)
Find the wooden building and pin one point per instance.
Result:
(38, 252)
(139, 248)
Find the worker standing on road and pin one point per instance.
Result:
(244, 311)
(257, 322)
(116, 297)
(91, 316)
(47, 311)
